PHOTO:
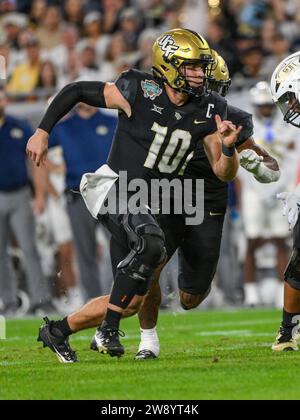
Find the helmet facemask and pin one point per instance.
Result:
(218, 79)
(285, 85)
(219, 86)
(290, 107)
(196, 91)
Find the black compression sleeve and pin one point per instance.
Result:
(91, 93)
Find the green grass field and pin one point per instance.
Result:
(204, 355)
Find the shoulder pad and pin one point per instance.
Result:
(127, 84)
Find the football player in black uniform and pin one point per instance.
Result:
(200, 249)
(162, 117)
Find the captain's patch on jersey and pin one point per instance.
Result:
(151, 89)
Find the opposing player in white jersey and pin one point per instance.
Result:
(285, 88)
(261, 212)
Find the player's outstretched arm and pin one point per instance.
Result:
(220, 150)
(96, 94)
(259, 162)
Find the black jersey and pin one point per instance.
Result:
(216, 191)
(159, 137)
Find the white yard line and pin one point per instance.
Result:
(236, 333)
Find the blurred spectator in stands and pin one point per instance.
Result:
(111, 14)
(88, 61)
(289, 27)
(13, 24)
(252, 70)
(73, 13)
(251, 17)
(278, 8)
(37, 12)
(116, 48)
(23, 6)
(25, 77)
(173, 16)
(130, 27)
(246, 42)
(230, 11)
(60, 55)
(55, 223)
(145, 43)
(218, 40)
(71, 70)
(93, 6)
(85, 137)
(7, 6)
(50, 32)
(279, 50)
(196, 13)
(88, 64)
(47, 82)
(267, 33)
(153, 12)
(124, 62)
(11, 57)
(16, 214)
(93, 31)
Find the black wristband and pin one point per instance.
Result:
(228, 151)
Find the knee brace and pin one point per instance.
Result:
(292, 273)
(147, 241)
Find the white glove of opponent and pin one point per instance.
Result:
(250, 160)
(253, 163)
(291, 207)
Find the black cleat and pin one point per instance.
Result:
(145, 355)
(59, 345)
(106, 341)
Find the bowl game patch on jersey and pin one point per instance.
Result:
(151, 89)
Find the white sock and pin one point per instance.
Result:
(149, 341)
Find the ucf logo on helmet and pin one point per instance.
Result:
(167, 44)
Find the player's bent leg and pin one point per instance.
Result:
(55, 334)
(190, 301)
(148, 313)
(133, 276)
(198, 259)
(289, 330)
(90, 315)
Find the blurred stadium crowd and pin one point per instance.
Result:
(47, 44)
